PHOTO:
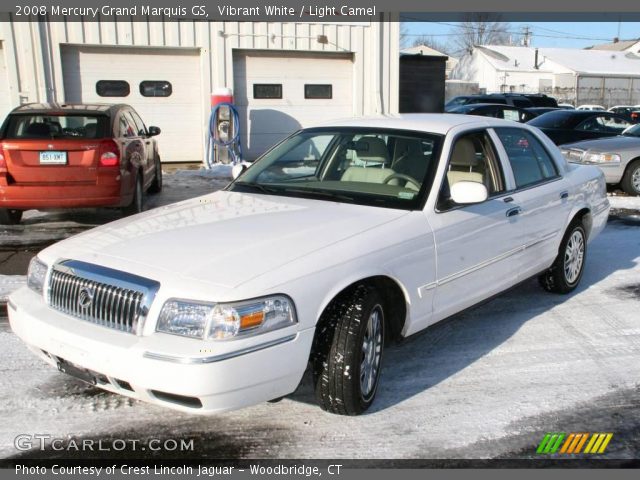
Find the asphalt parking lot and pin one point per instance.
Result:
(488, 383)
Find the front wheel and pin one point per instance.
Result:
(631, 180)
(348, 351)
(10, 216)
(568, 267)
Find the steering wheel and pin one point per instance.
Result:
(404, 177)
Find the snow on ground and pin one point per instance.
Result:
(504, 369)
(9, 283)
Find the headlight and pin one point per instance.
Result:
(223, 321)
(36, 275)
(590, 157)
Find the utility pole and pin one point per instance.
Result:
(526, 36)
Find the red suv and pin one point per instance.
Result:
(54, 156)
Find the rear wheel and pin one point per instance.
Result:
(10, 216)
(348, 351)
(631, 180)
(566, 271)
(137, 202)
(156, 184)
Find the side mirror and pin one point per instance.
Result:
(237, 169)
(465, 193)
(153, 131)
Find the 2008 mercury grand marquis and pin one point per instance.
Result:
(337, 241)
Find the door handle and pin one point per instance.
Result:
(564, 195)
(512, 212)
(508, 199)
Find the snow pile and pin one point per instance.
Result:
(9, 283)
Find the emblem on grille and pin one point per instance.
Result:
(85, 297)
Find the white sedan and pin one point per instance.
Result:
(339, 240)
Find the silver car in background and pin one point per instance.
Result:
(618, 157)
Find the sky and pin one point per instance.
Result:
(545, 34)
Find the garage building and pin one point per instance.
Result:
(284, 75)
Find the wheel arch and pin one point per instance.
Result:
(394, 294)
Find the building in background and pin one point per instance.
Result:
(591, 76)
(632, 46)
(284, 75)
(425, 50)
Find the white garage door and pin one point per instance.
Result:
(5, 96)
(278, 93)
(151, 74)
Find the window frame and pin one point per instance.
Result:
(330, 85)
(497, 160)
(507, 162)
(257, 85)
(140, 89)
(112, 96)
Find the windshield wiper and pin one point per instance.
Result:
(313, 192)
(257, 187)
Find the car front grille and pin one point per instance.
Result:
(100, 295)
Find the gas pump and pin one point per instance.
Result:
(223, 146)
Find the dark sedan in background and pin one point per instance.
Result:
(565, 126)
(495, 110)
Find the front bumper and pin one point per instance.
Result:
(612, 173)
(143, 367)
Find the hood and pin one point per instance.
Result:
(225, 238)
(607, 144)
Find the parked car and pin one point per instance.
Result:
(520, 100)
(624, 110)
(89, 155)
(345, 237)
(495, 110)
(566, 126)
(635, 115)
(618, 157)
(590, 107)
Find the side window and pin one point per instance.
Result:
(126, 127)
(529, 160)
(139, 124)
(472, 159)
(591, 125)
(612, 124)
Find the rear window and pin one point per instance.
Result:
(559, 119)
(56, 126)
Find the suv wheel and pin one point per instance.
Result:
(10, 216)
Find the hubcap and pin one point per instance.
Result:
(371, 352)
(574, 257)
(635, 179)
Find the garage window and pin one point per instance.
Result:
(112, 88)
(315, 91)
(267, 90)
(156, 88)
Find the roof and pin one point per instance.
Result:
(422, 50)
(615, 46)
(439, 123)
(551, 60)
(67, 108)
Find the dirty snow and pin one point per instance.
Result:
(504, 369)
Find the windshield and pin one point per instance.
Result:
(633, 131)
(385, 168)
(43, 126)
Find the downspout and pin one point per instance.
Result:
(577, 84)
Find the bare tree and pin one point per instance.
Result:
(480, 29)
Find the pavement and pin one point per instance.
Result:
(488, 383)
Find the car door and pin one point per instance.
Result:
(131, 146)
(476, 245)
(540, 195)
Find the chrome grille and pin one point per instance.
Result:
(100, 295)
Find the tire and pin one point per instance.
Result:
(631, 179)
(567, 269)
(10, 216)
(156, 184)
(347, 351)
(137, 202)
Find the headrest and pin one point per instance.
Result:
(464, 153)
(374, 150)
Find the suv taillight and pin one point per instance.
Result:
(109, 154)
(3, 162)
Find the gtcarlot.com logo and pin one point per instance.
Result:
(574, 443)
